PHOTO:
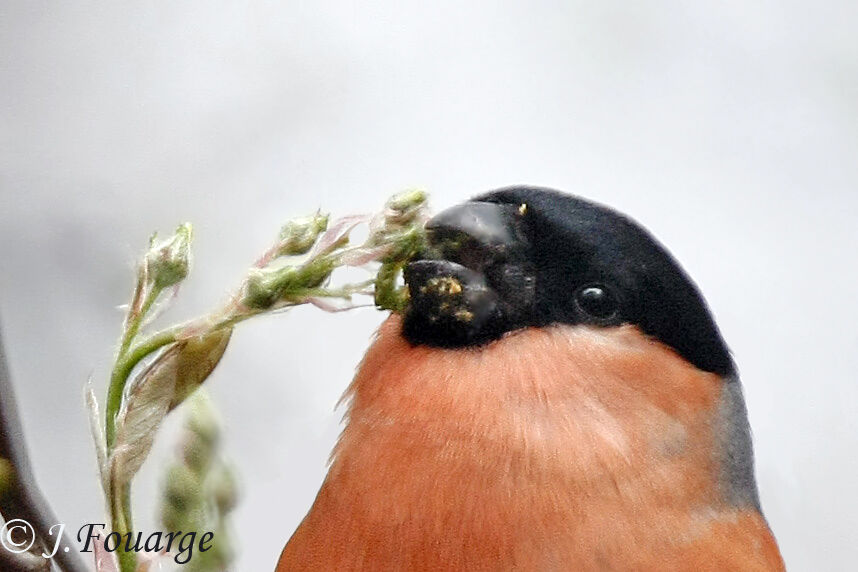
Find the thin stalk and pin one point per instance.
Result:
(122, 370)
(121, 524)
(136, 319)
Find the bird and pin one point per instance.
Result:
(555, 396)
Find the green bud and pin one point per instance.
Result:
(267, 286)
(224, 490)
(388, 294)
(299, 235)
(312, 275)
(172, 518)
(405, 246)
(264, 286)
(168, 262)
(182, 488)
(202, 433)
(203, 422)
(197, 453)
(220, 555)
(407, 200)
(402, 208)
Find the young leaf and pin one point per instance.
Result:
(97, 433)
(196, 359)
(143, 409)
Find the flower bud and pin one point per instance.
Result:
(182, 487)
(405, 245)
(299, 235)
(224, 490)
(402, 208)
(264, 286)
(203, 422)
(197, 453)
(168, 262)
(172, 517)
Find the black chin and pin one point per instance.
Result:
(474, 282)
(450, 305)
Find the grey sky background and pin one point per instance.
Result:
(729, 129)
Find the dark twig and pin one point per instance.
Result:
(25, 500)
(23, 562)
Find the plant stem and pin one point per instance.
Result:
(120, 500)
(136, 319)
(121, 524)
(306, 284)
(125, 363)
(128, 358)
(122, 370)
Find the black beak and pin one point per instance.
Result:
(474, 282)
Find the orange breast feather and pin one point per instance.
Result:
(561, 448)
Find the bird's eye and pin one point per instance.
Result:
(597, 301)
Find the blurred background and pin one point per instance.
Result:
(729, 129)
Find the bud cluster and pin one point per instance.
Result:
(170, 365)
(200, 490)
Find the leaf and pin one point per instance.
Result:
(336, 233)
(196, 361)
(95, 428)
(163, 385)
(144, 407)
(364, 255)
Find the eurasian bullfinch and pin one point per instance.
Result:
(556, 396)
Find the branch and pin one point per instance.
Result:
(25, 500)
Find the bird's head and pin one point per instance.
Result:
(528, 257)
